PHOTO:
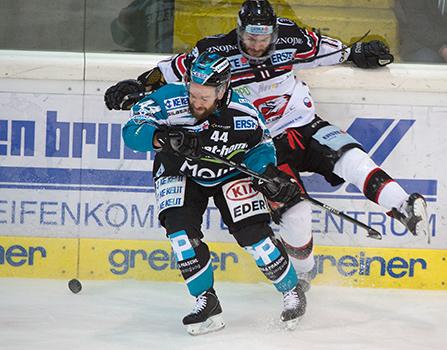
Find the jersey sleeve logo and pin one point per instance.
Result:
(144, 111)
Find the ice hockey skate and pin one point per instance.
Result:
(305, 278)
(413, 215)
(206, 316)
(294, 307)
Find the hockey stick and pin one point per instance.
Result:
(371, 232)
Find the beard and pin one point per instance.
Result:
(202, 112)
(256, 53)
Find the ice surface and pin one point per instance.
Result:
(44, 314)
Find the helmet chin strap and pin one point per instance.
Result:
(225, 100)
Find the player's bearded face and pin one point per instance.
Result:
(202, 100)
(256, 44)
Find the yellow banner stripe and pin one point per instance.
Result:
(108, 259)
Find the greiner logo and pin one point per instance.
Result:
(123, 260)
(363, 265)
(241, 190)
(17, 255)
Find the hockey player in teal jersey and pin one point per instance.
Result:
(178, 121)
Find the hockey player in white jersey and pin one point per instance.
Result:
(304, 141)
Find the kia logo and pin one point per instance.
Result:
(240, 190)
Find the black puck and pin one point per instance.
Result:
(75, 286)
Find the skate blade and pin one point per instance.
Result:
(212, 324)
(291, 325)
(420, 210)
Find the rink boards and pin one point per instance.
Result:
(71, 194)
(154, 260)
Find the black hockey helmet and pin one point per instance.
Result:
(257, 17)
(209, 69)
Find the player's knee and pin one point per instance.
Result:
(186, 247)
(297, 218)
(354, 166)
(296, 225)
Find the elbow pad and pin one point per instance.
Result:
(152, 79)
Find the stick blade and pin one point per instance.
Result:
(374, 234)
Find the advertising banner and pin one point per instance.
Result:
(86, 203)
(114, 259)
(65, 172)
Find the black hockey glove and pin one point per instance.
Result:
(179, 141)
(372, 54)
(117, 96)
(282, 187)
